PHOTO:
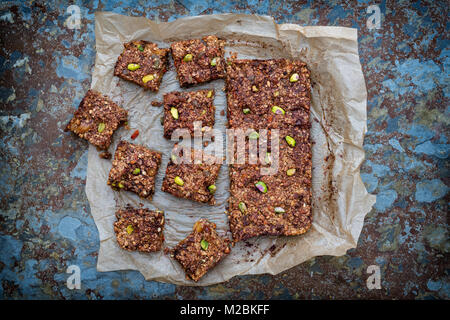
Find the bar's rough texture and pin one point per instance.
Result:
(273, 95)
(182, 109)
(201, 250)
(142, 63)
(199, 60)
(139, 229)
(96, 119)
(134, 169)
(194, 181)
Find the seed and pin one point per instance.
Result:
(214, 62)
(174, 112)
(130, 229)
(254, 135)
(261, 186)
(268, 158)
(294, 77)
(254, 89)
(204, 244)
(136, 171)
(141, 48)
(290, 141)
(277, 110)
(279, 210)
(101, 127)
(209, 95)
(179, 181)
(148, 78)
(290, 172)
(187, 57)
(120, 185)
(242, 207)
(246, 110)
(133, 66)
(212, 188)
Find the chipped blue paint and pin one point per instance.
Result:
(430, 190)
(68, 226)
(385, 199)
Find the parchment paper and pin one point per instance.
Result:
(338, 116)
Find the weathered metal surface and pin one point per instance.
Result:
(45, 223)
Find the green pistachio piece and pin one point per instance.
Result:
(209, 94)
(290, 141)
(187, 57)
(133, 66)
(254, 135)
(141, 48)
(242, 207)
(174, 112)
(204, 244)
(276, 94)
(130, 229)
(101, 127)
(120, 185)
(261, 186)
(290, 172)
(173, 158)
(279, 210)
(179, 181)
(214, 62)
(246, 110)
(277, 110)
(294, 77)
(254, 89)
(136, 171)
(212, 188)
(148, 78)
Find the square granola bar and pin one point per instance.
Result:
(267, 93)
(199, 60)
(143, 63)
(134, 169)
(139, 229)
(182, 109)
(201, 250)
(96, 119)
(193, 181)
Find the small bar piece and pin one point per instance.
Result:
(139, 229)
(199, 60)
(182, 109)
(192, 181)
(134, 169)
(267, 94)
(96, 119)
(201, 250)
(142, 63)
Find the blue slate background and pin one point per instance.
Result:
(45, 221)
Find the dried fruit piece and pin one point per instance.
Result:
(261, 186)
(294, 77)
(148, 78)
(204, 244)
(290, 172)
(187, 57)
(179, 181)
(174, 112)
(133, 66)
(135, 134)
(277, 110)
(290, 141)
(212, 188)
(242, 207)
(101, 127)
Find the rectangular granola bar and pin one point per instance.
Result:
(142, 63)
(194, 181)
(182, 109)
(267, 93)
(139, 229)
(134, 169)
(199, 60)
(96, 119)
(201, 250)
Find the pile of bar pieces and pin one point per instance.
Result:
(261, 94)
